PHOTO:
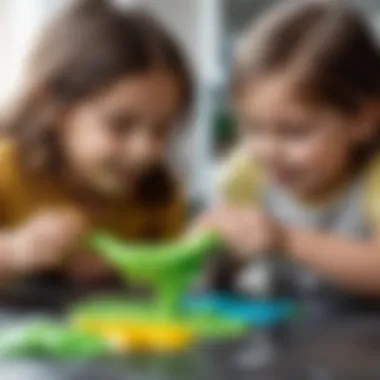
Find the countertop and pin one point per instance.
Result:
(333, 346)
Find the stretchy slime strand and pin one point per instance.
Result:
(168, 267)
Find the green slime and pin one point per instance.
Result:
(168, 268)
(48, 339)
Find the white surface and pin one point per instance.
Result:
(197, 24)
(19, 22)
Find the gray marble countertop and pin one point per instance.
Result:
(344, 347)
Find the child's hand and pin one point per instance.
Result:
(246, 231)
(45, 241)
(88, 268)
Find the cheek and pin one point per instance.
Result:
(98, 144)
(324, 151)
(87, 143)
(307, 153)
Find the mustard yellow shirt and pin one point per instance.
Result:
(22, 196)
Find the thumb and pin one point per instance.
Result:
(75, 222)
(203, 222)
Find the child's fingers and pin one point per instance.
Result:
(45, 240)
(76, 222)
(245, 232)
(59, 231)
(87, 267)
(204, 222)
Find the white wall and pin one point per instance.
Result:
(19, 21)
(195, 23)
(5, 45)
(182, 17)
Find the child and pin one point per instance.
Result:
(305, 180)
(85, 147)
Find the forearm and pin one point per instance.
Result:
(352, 264)
(10, 257)
(18, 253)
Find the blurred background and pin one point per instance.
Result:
(207, 29)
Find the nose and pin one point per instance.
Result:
(143, 147)
(270, 149)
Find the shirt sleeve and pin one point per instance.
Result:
(239, 181)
